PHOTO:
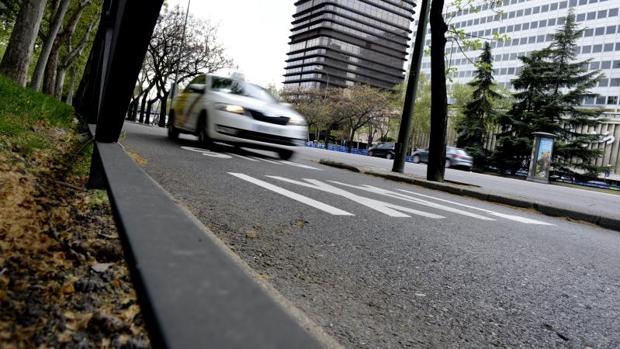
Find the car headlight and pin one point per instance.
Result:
(297, 121)
(231, 108)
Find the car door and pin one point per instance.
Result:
(187, 101)
(424, 155)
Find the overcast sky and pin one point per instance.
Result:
(254, 32)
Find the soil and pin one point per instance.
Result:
(64, 282)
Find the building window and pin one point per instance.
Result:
(586, 49)
(614, 82)
(602, 14)
(606, 65)
(594, 65)
(612, 100)
(581, 17)
(591, 15)
(597, 48)
(611, 29)
(609, 47)
(616, 65)
(603, 83)
(613, 12)
(599, 31)
(600, 100)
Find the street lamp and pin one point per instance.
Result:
(412, 87)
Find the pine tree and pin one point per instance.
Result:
(479, 113)
(550, 88)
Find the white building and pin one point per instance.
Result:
(529, 24)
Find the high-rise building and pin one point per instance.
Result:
(340, 43)
(528, 25)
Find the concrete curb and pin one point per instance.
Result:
(463, 190)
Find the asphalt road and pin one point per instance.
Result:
(380, 264)
(594, 202)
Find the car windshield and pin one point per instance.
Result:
(241, 88)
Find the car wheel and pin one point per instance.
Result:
(416, 159)
(371, 153)
(285, 154)
(389, 156)
(448, 163)
(173, 133)
(203, 131)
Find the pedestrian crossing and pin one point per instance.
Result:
(417, 204)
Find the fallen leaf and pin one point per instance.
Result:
(101, 267)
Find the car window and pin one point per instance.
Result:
(200, 79)
(240, 88)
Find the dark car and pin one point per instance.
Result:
(382, 150)
(455, 157)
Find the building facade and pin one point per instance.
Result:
(340, 43)
(528, 25)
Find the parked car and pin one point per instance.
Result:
(382, 150)
(455, 157)
(231, 110)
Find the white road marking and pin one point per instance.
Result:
(207, 153)
(266, 160)
(497, 214)
(244, 157)
(404, 197)
(290, 163)
(381, 206)
(291, 195)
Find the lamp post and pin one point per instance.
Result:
(412, 88)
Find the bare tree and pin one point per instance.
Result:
(18, 53)
(200, 53)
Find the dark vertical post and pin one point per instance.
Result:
(412, 88)
(439, 97)
(129, 39)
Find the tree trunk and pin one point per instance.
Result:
(439, 99)
(39, 71)
(18, 52)
(163, 106)
(51, 68)
(143, 106)
(71, 89)
(60, 83)
(350, 141)
(148, 111)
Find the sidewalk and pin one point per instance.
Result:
(552, 199)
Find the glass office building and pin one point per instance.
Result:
(529, 25)
(340, 43)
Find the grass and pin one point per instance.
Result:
(24, 113)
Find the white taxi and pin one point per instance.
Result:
(231, 110)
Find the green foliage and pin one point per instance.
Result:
(21, 110)
(421, 120)
(480, 113)
(550, 88)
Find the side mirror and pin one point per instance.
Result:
(197, 88)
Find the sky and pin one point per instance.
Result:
(254, 32)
